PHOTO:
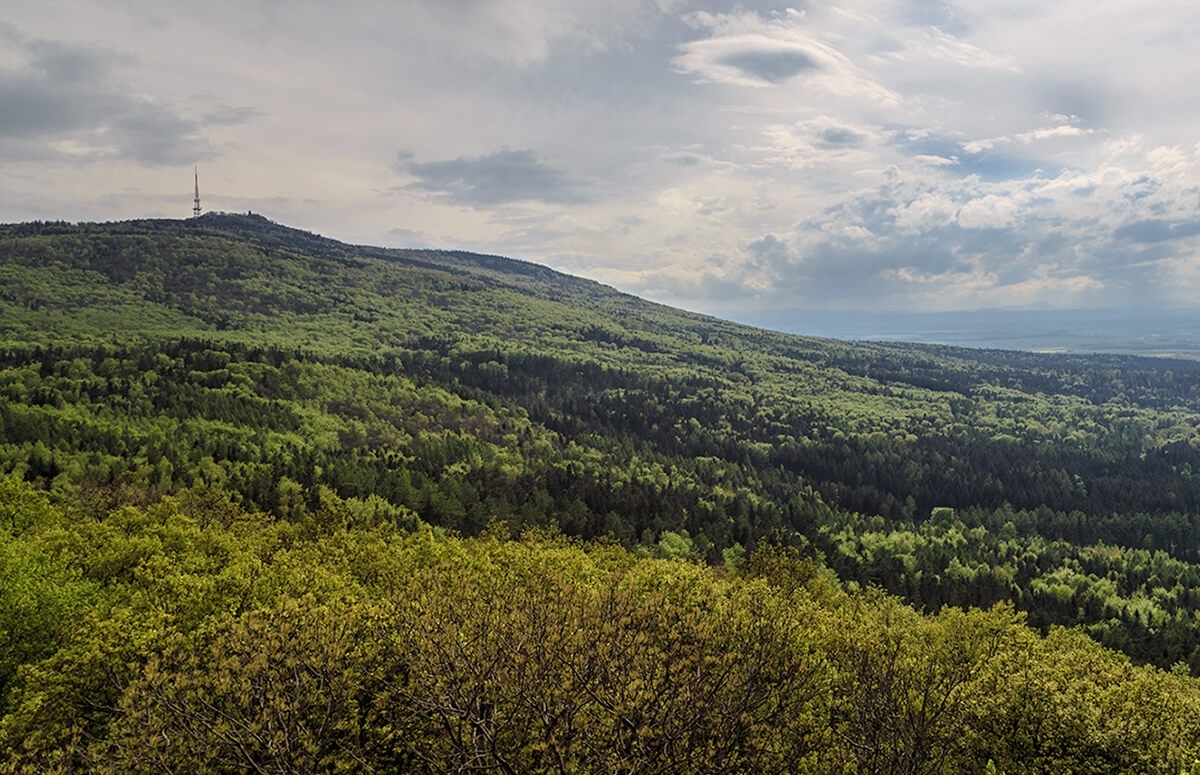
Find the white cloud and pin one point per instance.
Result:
(934, 161)
(744, 49)
(926, 212)
(1026, 138)
(988, 212)
(934, 45)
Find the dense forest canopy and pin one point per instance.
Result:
(208, 427)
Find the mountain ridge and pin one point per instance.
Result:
(270, 235)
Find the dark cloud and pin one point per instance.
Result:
(1156, 230)
(771, 66)
(1142, 188)
(840, 137)
(768, 252)
(72, 92)
(61, 90)
(29, 108)
(852, 269)
(500, 177)
(27, 150)
(875, 211)
(154, 136)
(829, 267)
(62, 63)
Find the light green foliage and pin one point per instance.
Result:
(673, 544)
(279, 689)
(41, 600)
(226, 642)
(1047, 701)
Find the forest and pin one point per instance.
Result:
(272, 501)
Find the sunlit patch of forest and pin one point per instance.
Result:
(264, 497)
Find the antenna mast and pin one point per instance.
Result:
(196, 207)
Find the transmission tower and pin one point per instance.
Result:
(196, 205)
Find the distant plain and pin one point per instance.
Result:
(1171, 332)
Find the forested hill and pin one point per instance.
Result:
(265, 362)
(231, 351)
(251, 477)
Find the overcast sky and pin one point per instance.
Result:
(738, 160)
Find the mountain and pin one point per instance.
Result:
(202, 420)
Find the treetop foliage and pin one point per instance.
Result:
(189, 635)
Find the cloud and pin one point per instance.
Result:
(976, 157)
(52, 93)
(770, 66)
(152, 135)
(923, 238)
(408, 238)
(1154, 230)
(1026, 138)
(744, 49)
(934, 160)
(683, 159)
(934, 45)
(833, 146)
(840, 137)
(66, 102)
(878, 153)
(527, 33)
(988, 212)
(229, 115)
(497, 178)
(769, 252)
(943, 16)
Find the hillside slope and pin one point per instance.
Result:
(230, 354)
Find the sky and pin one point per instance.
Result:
(749, 161)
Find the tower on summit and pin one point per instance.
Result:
(196, 205)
